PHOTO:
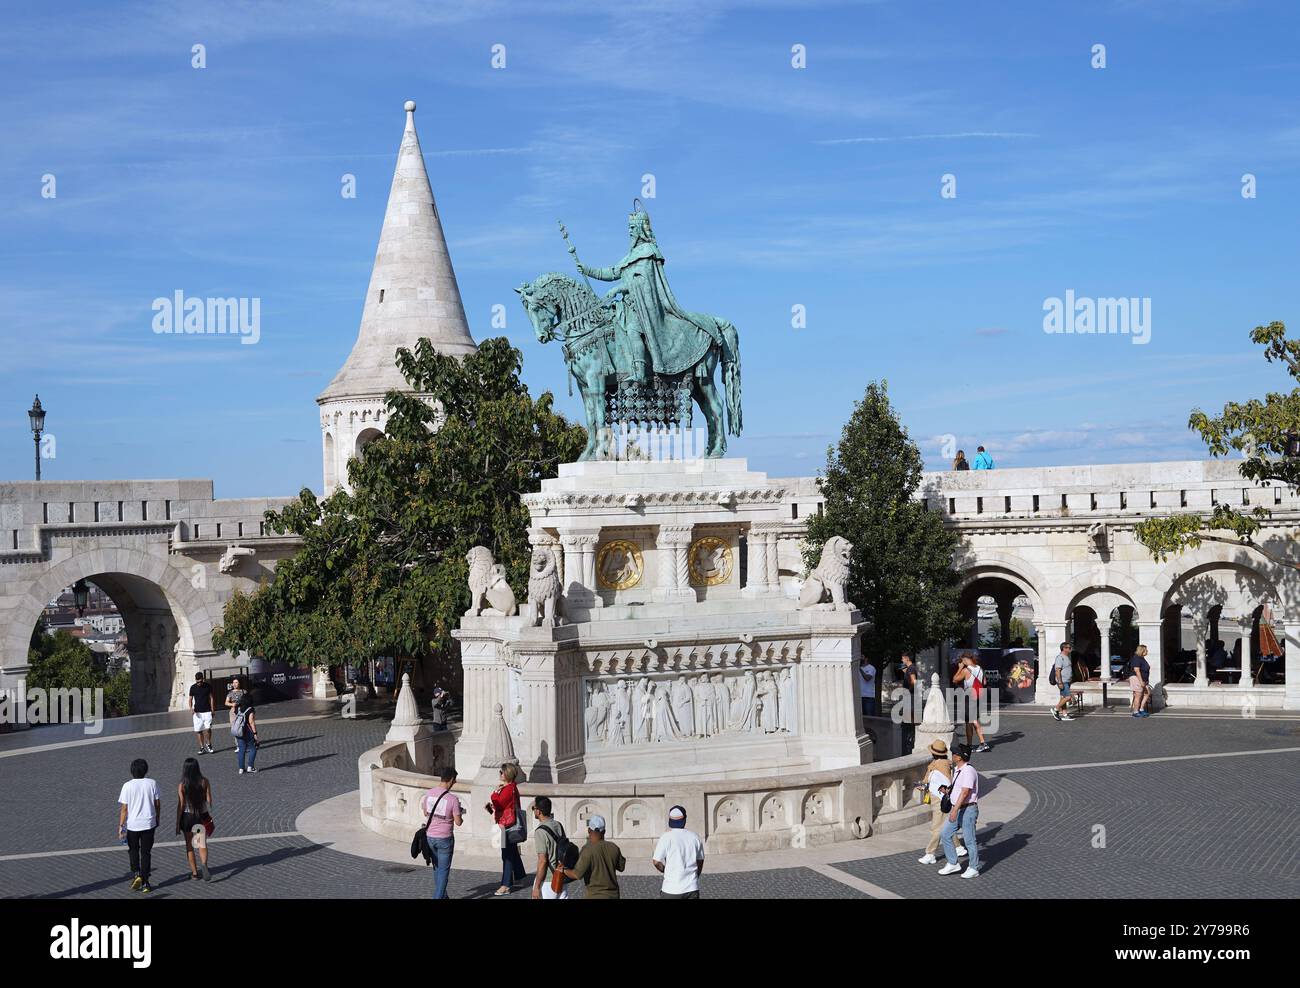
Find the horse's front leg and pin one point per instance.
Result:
(594, 392)
(584, 392)
(710, 402)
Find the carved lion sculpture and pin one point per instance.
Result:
(481, 578)
(545, 596)
(826, 583)
(499, 594)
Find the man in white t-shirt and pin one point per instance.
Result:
(137, 819)
(867, 687)
(679, 856)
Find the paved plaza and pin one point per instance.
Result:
(1193, 804)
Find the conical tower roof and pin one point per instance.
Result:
(413, 291)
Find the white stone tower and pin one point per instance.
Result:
(412, 294)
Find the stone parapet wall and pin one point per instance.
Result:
(769, 813)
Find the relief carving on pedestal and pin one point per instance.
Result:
(711, 562)
(619, 565)
(656, 709)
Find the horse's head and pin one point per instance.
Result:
(550, 300)
(543, 306)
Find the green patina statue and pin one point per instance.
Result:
(639, 358)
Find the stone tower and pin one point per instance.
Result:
(412, 294)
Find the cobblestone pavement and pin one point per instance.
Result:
(1185, 828)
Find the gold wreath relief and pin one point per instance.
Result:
(628, 575)
(708, 547)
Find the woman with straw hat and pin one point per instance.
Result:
(935, 782)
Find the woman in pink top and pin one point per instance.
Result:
(443, 809)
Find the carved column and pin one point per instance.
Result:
(1291, 645)
(580, 567)
(1103, 648)
(1049, 645)
(773, 565)
(1245, 625)
(764, 573)
(1201, 630)
(672, 543)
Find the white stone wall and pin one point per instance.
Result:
(154, 546)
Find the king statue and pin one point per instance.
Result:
(638, 357)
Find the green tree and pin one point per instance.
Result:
(901, 572)
(60, 661)
(1258, 429)
(382, 569)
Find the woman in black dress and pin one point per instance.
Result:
(193, 808)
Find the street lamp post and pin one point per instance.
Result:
(36, 415)
(81, 596)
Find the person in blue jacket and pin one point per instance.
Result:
(982, 460)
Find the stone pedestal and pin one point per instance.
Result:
(322, 687)
(671, 666)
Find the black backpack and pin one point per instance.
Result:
(566, 852)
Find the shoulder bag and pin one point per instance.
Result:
(420, 842)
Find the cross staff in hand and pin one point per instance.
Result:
(573, 252)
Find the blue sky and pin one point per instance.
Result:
(775, 187)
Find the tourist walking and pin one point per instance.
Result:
(234, 693)
(1139, 682)
(970, 677)
(598, 863)
(508, 815)
(443, 808)
(964, 795)
(549, 839)
(1059, 676)
(201, 709)
(137, 819)
(243, 726)
(911, 703)
(936, 783)
(679, 857)
(867, 687)
(960, 463)
(194, 818)
(982, 460)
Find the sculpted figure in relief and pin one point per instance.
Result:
(683, 706)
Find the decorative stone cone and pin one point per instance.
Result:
(499, 749)
(407, 713)
(936, 724)
(410, 728)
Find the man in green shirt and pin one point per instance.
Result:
(599, 863)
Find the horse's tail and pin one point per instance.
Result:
(731, 375)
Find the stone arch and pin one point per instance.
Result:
(976, 564)
(1105, 582)
(145, 583)
(989, 573)
(364, 438)
(1219, 556)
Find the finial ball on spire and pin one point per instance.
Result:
(410, 106)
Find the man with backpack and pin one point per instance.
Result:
(554, 852)
(599, 863)
(1061, 672)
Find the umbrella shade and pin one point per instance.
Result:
(1268, 644)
